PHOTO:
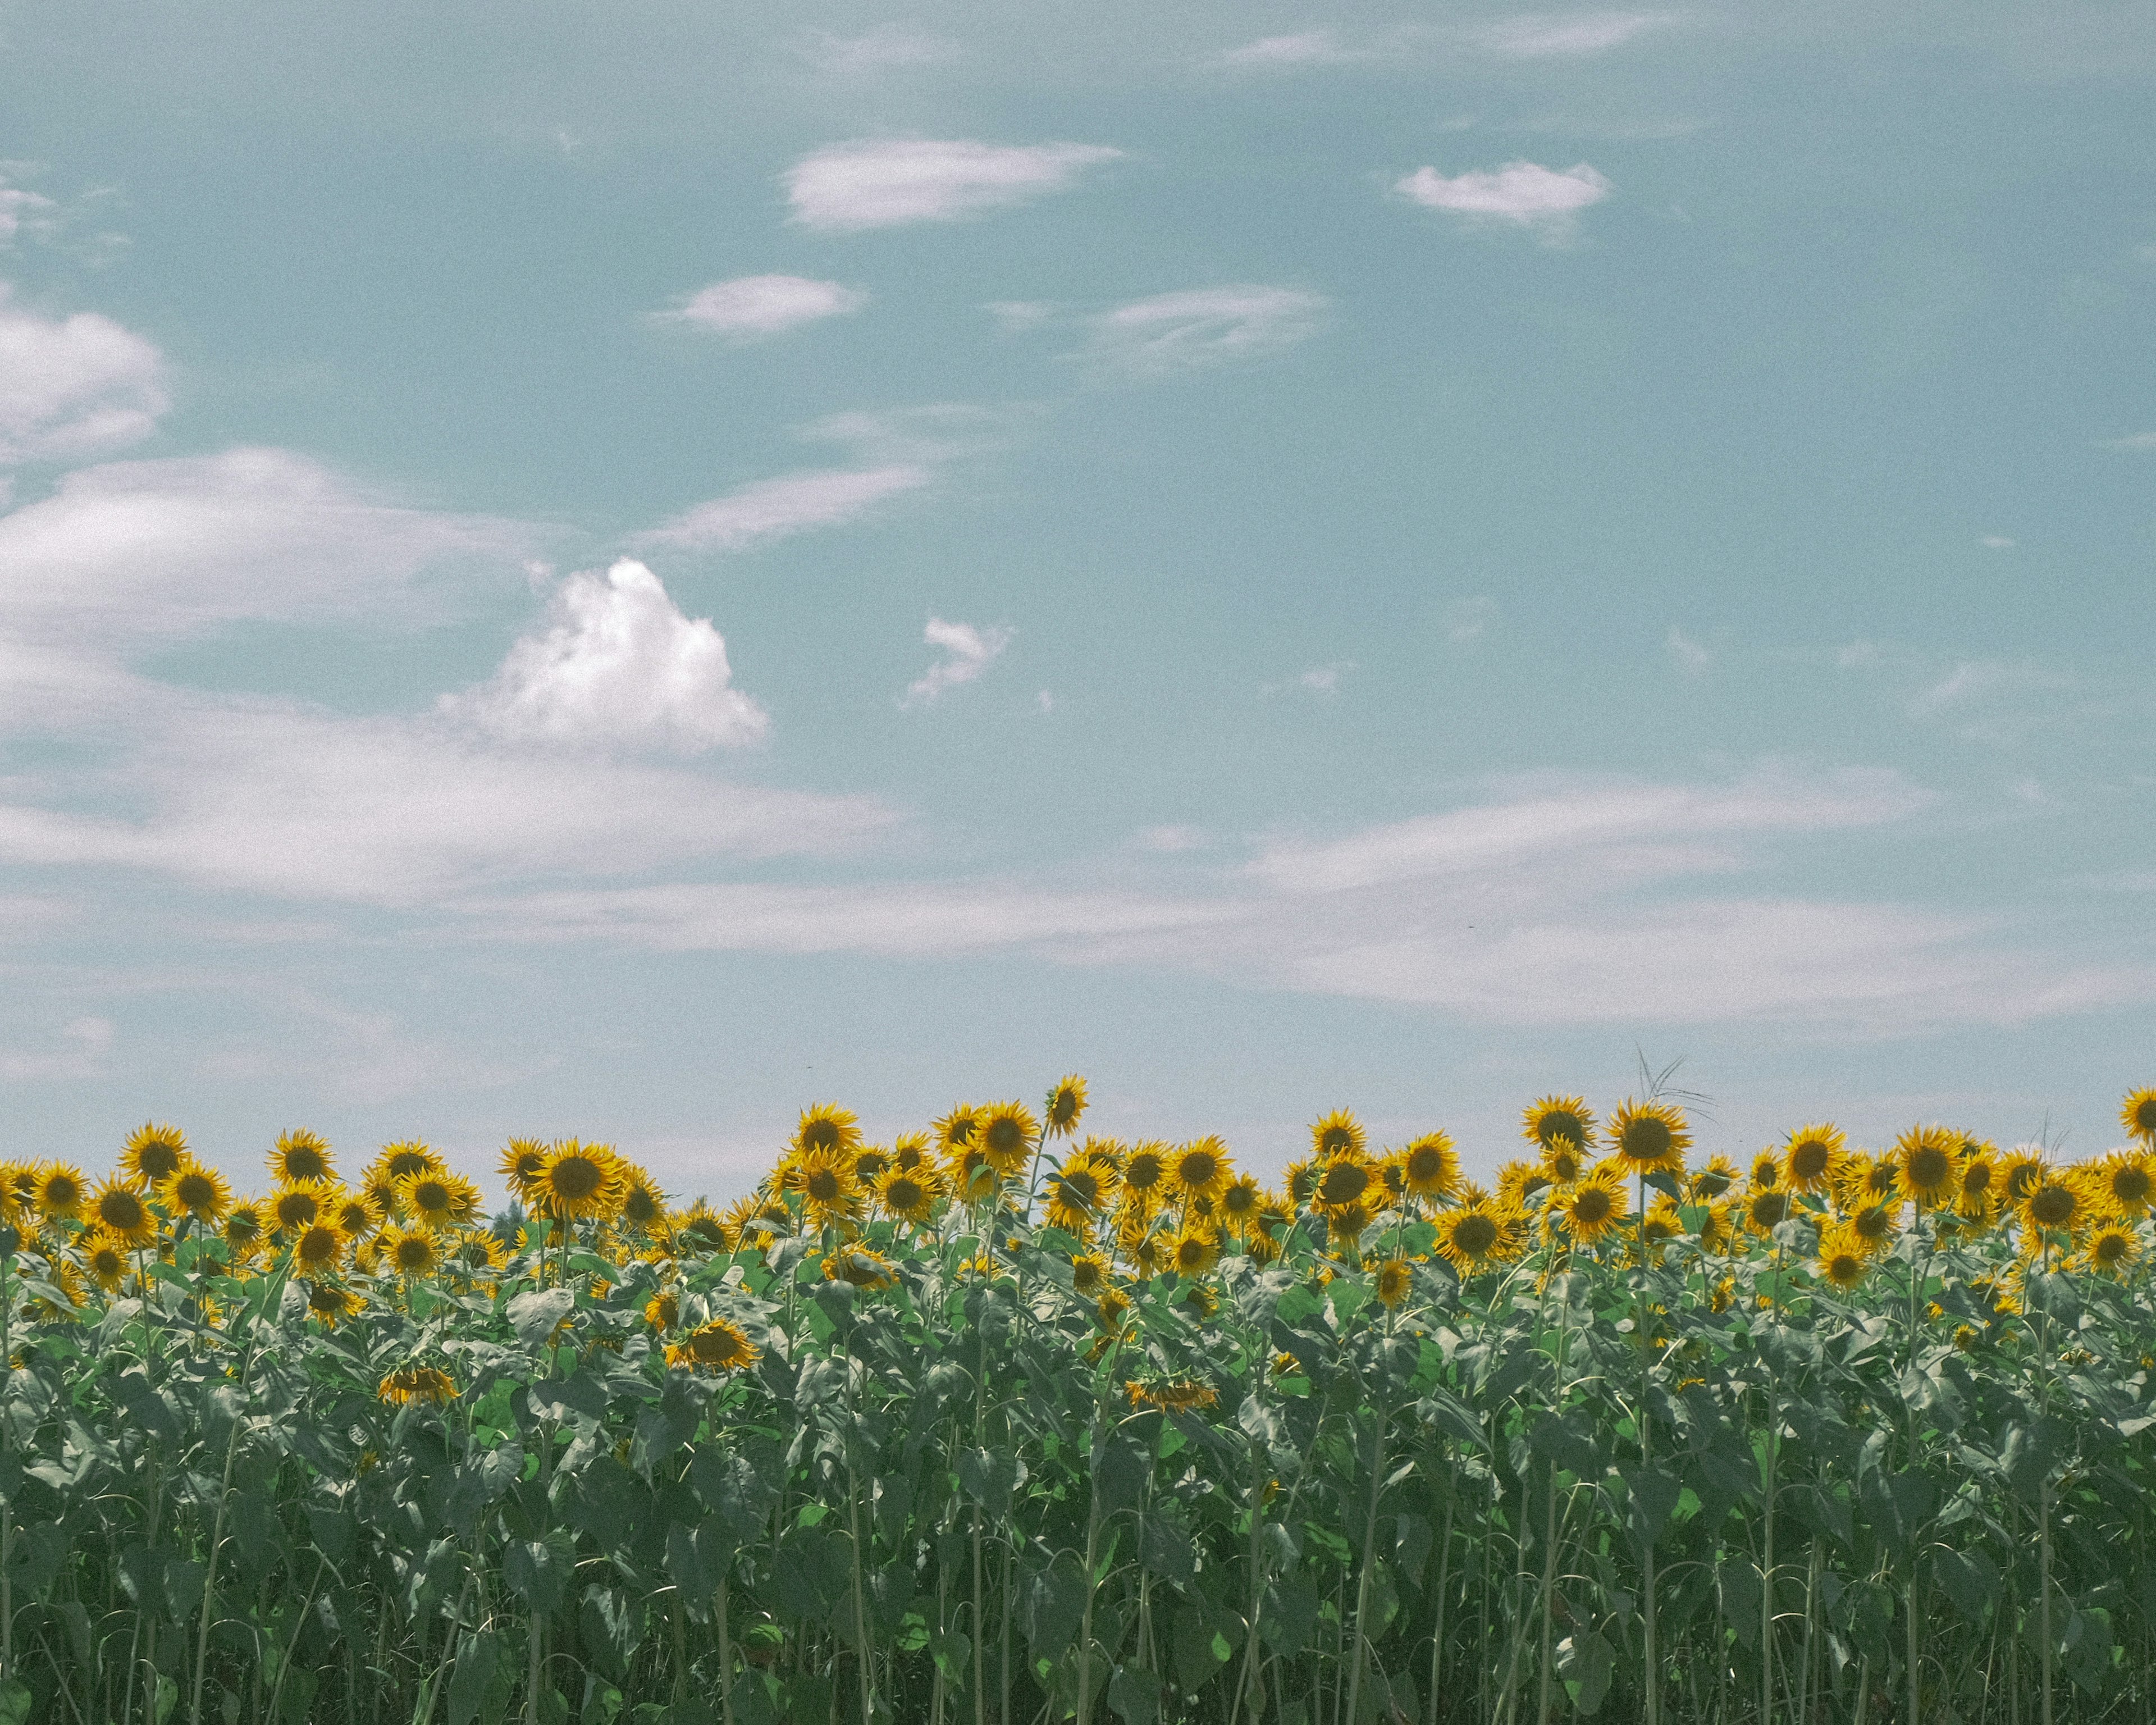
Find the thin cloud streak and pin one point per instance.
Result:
(891, 183)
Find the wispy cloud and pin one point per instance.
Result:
(1205, 326)
(880, 50)
(1469, 620)
(1309, 48)
(73, 387)
(967, 652)
(752, 308)
(2138, 442)
(77, 1051)
(1691, 656)
(889, 182)
(1524, 194)
(772, 509)
(619, 665)
(1556, 35)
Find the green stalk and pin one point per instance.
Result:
(1369, 1556)
(1549, 1516)
(1443, 1581)
(1652, 1674)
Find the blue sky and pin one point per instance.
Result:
(616, 569)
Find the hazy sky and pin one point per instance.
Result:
(614, 569)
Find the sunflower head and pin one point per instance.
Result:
(1009, 1133)
(1395, 1278)
(910, 1194)
(1088, 1275)
(1812, 1155)
(319, 1247)
(1649, 1138)
(300, 1155)
(959, 1128)
(2021, 1170)
(1517, 1182)
(1238, 1205)
(642, 1205)
(1928, 1159)
(909, 1150)
(1430, 1166)
(153, 1153)
(866, 1270)
(719, 1346)
(663, 1310)
(1714, 1178)
(1195, 1251)
(427, 1385)
(1145, 1175)
(1199, 1169)
(435, 1199)
(2127, 1180)
(412, 1251)
(973, 1176)
(1875, 1226)
(579, 1180)
(1595, 1206)
(2137, 1115)
(1564, 1160)
(1766, 1208)
(332, 1302)
(2054, 1205)
(827, 1126)
(1345, 1224)
(61, 1192)
(1347, 1180)
(1339, 1133)
(1767, 1168)
(1978, 1184)
(120, 1209)
(407, 1156)
(1550, 1118)
(1065, 1102)
(2112, 1248)
(1469, 1236)
(300, 1205)
(520, 1164)
(1844, 1258)
(198, 1191)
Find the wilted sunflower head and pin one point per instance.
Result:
(1926, 1156)
(60, 1191)
(1811, 1158)
(153, 1153)
(1430, 1166)
(1008, 1132)
(1339, 1133)
(120, 1210)
(427, 1385)
(1649, 1138)
(1065, 1102)
(1395, 1278)
(300, 1155)
(1200, 1168)
(199, 1191)
(719, 1346)
(2137, 1115)
(826, 1126)
(1550, 1118)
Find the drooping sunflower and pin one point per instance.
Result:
(2137, 1115)
(412, 1251)
(910, 1194)
(1395, 1280)
(332, 1302)
(1199, 1169)
(866, 1270)
(2125, 1181)
(719, 1346)
(427, 1385)
(61, 1192)
(1196, 1250)
(578, 1181)
(1009, 1133)
(153, 1153)
(1430, 1167)
(1145, 1176)
(1065, 1102)
(1715, 1177)
(1089, 1274)
(199, 1192)
(827, 1126)
(1926, 1156)
(1843, 1259)
(1550, 1118)
(2111, 1249)
(1649, 1138)
(300, 1155)
(1593, 1206)
(120, 1209)
(1339, 1133)
(434, 1199)
(1470, 1236)
(104, 1257)
(1812, 1155)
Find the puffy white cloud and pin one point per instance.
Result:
(751, 308)
(887, 182)
(620, 665)
(1524, 194)
(967, 651)
(792, 503)
(75, 387)
(1203, 326)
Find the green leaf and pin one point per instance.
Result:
(538, 1571)
(535, 1314)
(1585, 1663)
(1055, 1605)
(1135, 1696)
(476, 1658)
(990, 1477)
(1654, 1492)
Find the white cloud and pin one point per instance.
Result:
(81, 1045)
(1014, 316)
(1553, 34)
(2139, 441)
(887, 182)
(619, 665)
(1172, 839)
(76, 387)
(1690, 655)
(1857, 655)
(19, 208)
(1525, 194)
(1469, 620)
(877, 50)
(1325, 679)
(1202, 326)
(1309, 48)
(1993, 702)
(774, 508)
(751, 308)
(1996, 542)
(967, 651)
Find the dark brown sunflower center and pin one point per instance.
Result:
(1646, 1139)
(1930, 1168)
(577, 1177)
(1200, 1168)
(2052, 1205)
(1476, 1234)
(1594, 1206)
(1807, 1159)
(1344, 1181)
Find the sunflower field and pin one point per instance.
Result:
(1002, 1423)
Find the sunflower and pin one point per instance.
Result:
(663, 1310)
(244, 1228)
(1239, 1204)
(910, 1151)
(61, 1192)
(1766, 1208)
(1767, 1168)
(153, 1153)
(1554, 1118)
(1089, 1274)
(1111, 1310)
(1395, 1278)
(1194, 1253)
(910, 1194)
(1180, 1395)
(1145, 1176)
(438, 1200)
(2124, 1181)
(959, 1128)
(1345, 1224)
(319, 1247)
(2111, 1248)
(1978, 1184)
(1009, 1133)
(2020, 1171)
(199, 1191)
(300, 1156)
(103, 1256)
(1470, 1236)
(1718, 1232)
(867, 1270)
(1714, 1178)
(1926, 1156)
(1340, 1133)
(2137, 1115)
(1662, 1223)
(579, 1180)
(1519, 1181)
(1844, 1259)
(1299, 1179)
(300, 1205)
(120, 1209)
(643, 1204)
(1430, 1166)
(1064, 1104)
(1265, 1238)
(18, 1187)
(973, 1176)
(477, 1252)
(1594, 1206)
(428, 1385)
(2056, 1205)
(1870, 1179)
(520, 1164)
(1347, 1181)
(719, 1346)
(332, 1302)
(1873, 1226)
(408, 1156)
(825, 1125)
(1199, 1169)
(1812, 1155)
(1078, 1192)
(412, 1251)
(1649, 1138)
